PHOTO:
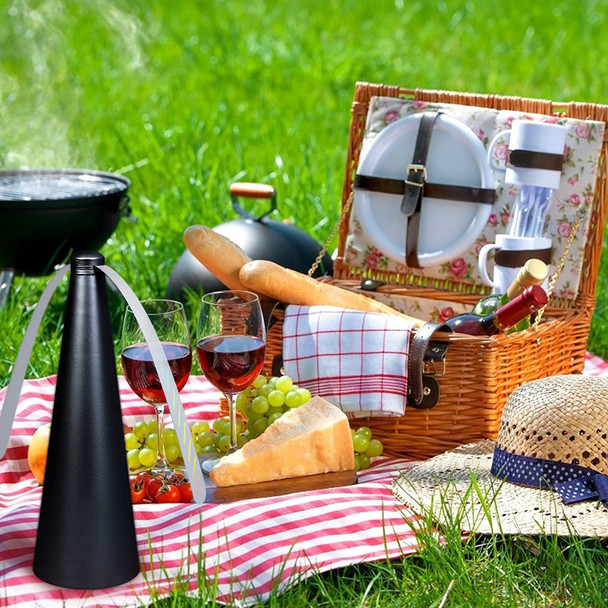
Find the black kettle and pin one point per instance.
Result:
(261, 238)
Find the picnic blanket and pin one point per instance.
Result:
(245, 548)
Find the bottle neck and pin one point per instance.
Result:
(531, 300)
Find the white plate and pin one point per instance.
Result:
(447, 228)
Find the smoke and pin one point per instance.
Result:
(43, 100)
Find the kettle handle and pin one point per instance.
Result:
(252, 190)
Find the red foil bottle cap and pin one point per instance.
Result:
(532, 299)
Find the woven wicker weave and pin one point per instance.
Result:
(481, 373)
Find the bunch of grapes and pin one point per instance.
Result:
(141, 444)
(365, 447)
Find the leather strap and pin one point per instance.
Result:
(529, 159)
(416, 177)
(422, 349)
(462, 194)
(516, 259)
(416, 171)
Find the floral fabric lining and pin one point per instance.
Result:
(572, 201)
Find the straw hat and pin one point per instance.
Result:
(547, 471)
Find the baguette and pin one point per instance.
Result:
(292, 287)
(218, 254)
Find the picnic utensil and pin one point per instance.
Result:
(260, 237)
(86, 533)
(46, 214)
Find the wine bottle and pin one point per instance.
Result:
(533, 272)
(532, 299)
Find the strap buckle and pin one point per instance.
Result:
(431, 368)
(411, 168)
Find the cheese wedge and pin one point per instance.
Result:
(313, 438)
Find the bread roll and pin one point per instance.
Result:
(218, 254)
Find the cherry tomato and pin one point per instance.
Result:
(153, 485)
(177, 479)
(138, 490)
(181, 481)
(167, 493)
(185, 491)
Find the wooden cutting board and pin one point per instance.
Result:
(279, 487)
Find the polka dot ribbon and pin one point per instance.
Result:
(572, 482)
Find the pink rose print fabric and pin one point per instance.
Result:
(571, 203)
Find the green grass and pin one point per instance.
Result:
(186, 97)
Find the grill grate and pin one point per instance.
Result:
(40, 187)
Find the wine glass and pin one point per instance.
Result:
(169, 321)
(231, 345)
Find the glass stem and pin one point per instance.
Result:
(232, 413)
(161, 459)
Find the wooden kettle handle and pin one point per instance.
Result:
(252, 190)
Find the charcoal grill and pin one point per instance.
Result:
(47, 214)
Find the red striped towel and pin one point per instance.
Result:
(356, 360)
(253, 545)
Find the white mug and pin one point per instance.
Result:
(532, 136)
(503, 275)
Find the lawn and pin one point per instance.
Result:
(186, 97)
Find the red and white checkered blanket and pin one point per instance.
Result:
(251, 546)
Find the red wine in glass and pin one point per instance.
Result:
(141, 374)
(231, 362)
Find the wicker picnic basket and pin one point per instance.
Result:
(480, 373)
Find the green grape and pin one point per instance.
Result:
(171, 437)
(251, 414)
(273, 382)
(305, 394)
(357, 462)
(273, 417)
(276, 398)
(224, 443)
(241, 440)
(172, 453)
(260, 405)
(199, 427)
(284, 384)
(259, 382)
(209, 449)
(152, 441)
(293, 399)
(260, 425)
(216, 439)
(152, 426)
(365, 431)
(375, 448)
(251, 428)
(364, 461)
(205, 439)
(265, 390)
(360, 443)
(242, 400)
(353, 433)
(274, 410)
(219, 424)
(147, 457)
(240, 426)
(133, 459)
(140, 429)
(131, 441)
(248, 391)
